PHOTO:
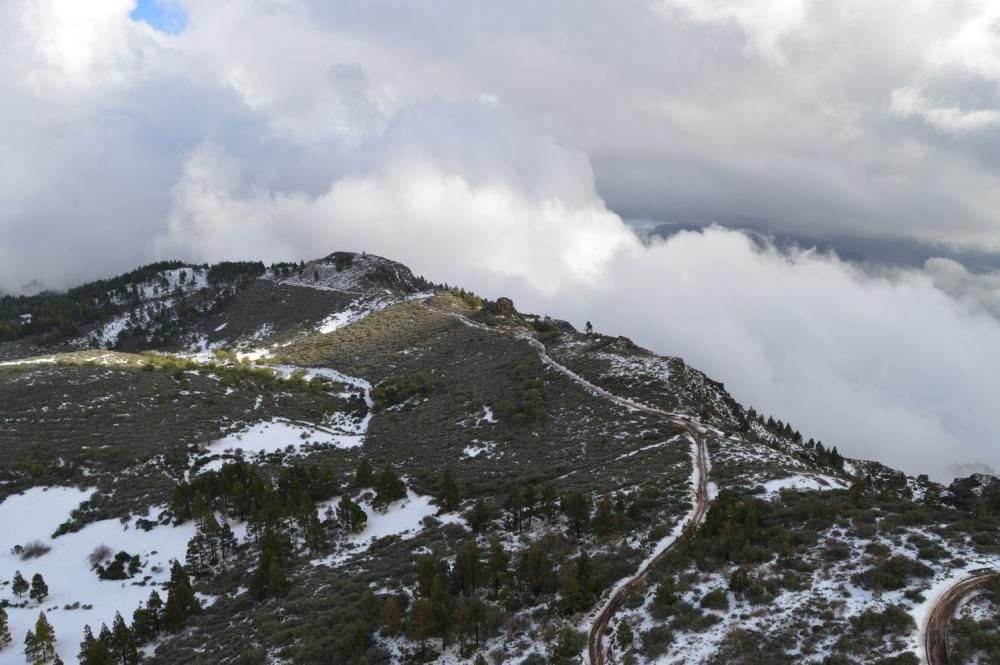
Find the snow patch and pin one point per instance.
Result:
(34, 515)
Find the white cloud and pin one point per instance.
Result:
(765, 22)
(909, 102)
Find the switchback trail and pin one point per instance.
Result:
(936, 627)
(595, 640)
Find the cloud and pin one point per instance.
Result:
(909, 102)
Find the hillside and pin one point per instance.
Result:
(340, 462)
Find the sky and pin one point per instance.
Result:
(515, 147)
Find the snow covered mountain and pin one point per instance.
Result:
(339, 462)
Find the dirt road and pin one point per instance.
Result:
(936, 628)
(595, 641)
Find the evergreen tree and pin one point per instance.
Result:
(269, 579)
(40, 644)
(466, 569)
(39, 589)
(155, 608)
(549, 499)
(534, 571)
(624, 635)
(514, 505)
(94, 651)
(181, 601)
(31, 648)
(350, 515)
(604, 518)
(123, 645)
(365, 475)
(577, 507)
(142, 625)
(316, 538)
(448, 494)
(441, 610)
(530, 503)
(5, 638)
(570, 596)
(478, 516)
(499, 563)
(388, 488)
(20, 585)
(420, 623)
(392, 616)
(477, 616)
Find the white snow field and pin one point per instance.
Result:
(803, 483)
(402, 518)
(35, 515)
(277, 434)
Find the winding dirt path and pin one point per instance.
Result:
(595, 639)
(936, 626)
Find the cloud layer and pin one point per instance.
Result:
(504, 146)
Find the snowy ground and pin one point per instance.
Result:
(802, 483)
(67, 571)
(362, 308)
(402, 518)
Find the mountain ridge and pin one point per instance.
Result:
(489, 435)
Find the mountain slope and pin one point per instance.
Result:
(411, 474)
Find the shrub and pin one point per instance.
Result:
(34, 549)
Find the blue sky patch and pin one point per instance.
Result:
(163, 15)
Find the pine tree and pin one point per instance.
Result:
(39, 589)
(155, 608)
(269, 579)
(5, 638)
(499, 563)
(570, 596)
(142, 625)
(448, 494)
(388, 488)
(41, 642)
(316, 538)
(624, 635)
(391, 617)
(420, 624)
(350, 515)
(514, 505)
(365, 475)
(549, 499)
(577, 507)
(123, 645)
(20, 585)
(478, 516)
(441, 610)
(94, 651)
(465, 572)
(31, 648)
(604, 518)
(181, 601)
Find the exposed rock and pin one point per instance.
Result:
(503, 307)
(963, 492)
